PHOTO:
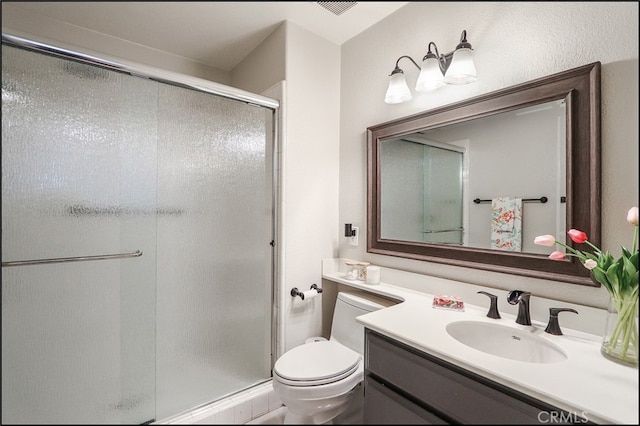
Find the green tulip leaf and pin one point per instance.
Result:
(613, 277)
(625, 252)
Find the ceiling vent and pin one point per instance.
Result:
(337, 7)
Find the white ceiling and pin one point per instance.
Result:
(219, 34)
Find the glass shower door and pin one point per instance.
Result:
(443, 195)
(98, 162)
(78, 179)
(214, 257)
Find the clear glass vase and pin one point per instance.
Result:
(620, 342)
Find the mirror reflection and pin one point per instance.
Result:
(493, 182)
(473, 183)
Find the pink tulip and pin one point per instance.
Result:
(556, 255)
(590, 264)
(577, 236)
(632, 216)
(545, 240)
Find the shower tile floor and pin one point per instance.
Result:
(228, 417)
(258, 405)
(272, 418)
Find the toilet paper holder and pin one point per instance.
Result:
(295, 292)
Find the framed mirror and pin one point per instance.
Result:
(473, 183)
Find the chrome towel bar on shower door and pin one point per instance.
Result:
(137, 253)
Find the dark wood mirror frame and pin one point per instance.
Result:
(580, 88)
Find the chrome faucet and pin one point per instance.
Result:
(522, 299)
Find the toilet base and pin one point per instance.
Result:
(354, 414)
(348, 411)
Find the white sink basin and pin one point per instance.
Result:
(505, 342)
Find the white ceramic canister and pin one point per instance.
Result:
(373, 274)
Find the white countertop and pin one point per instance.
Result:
(585, 384)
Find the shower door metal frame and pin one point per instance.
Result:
(144, 71)
(76, 53)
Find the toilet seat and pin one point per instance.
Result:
(316, 363)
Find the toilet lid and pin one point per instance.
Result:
(316, 363)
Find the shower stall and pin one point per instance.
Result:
(137, 239)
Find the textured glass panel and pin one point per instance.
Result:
(214, 258)
(442, 195)
(78, 179)
(95, 162)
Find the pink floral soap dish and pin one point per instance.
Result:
(441, 301)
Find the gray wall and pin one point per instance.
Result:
(513, 42)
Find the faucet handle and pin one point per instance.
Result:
(493, 309)
(554, 326)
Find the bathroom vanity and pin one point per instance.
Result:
(417, 372)
(407, 386)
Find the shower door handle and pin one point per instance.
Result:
(137, 253)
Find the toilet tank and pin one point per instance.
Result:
(349, 305)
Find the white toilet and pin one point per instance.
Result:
(317, 381)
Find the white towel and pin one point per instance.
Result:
(506, 223)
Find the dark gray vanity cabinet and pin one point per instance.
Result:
(406, 386)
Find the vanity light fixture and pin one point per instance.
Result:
(437, 70)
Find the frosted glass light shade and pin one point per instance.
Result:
(398, 91)
(430, 77)
(462, 70)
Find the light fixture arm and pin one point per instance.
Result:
(445, 59)
(464, 44)
(442, 60)
(397, 69)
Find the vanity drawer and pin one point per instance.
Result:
(383, 406)
(455, 394)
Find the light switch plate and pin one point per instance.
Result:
(353, 240)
